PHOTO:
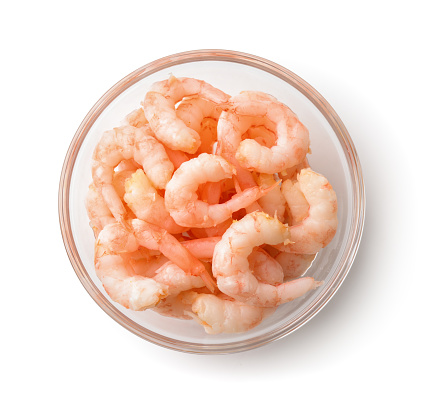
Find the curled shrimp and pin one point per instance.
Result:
(159, 107)
(125, 143)
(176, 279)
(274, 202)
(220, 315)
(294, 264)
(231, 266)
(181, 198)
(98, 212)
(201, 115)
(118, 278)
(292, 142)
(139, 233)
(265, 268)
(143, 199)
(317, 222)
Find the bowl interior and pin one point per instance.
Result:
(330, 156)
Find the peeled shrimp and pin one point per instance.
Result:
(181, 198)
(201, 115)
(176, 279)
(118, 238)
(159, 107)
(294, 264)
(143, 199)
(274, 202)
(231, 266)
(98, 212)
(265, 268)
(219, 315)
(126, 143)
(136, 118)
(120, 282)
(316, 230)
(292, 143)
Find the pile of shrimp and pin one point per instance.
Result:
(204, 207)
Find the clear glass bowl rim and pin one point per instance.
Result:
(249, 60)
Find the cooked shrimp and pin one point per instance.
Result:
(176, 279)
(117, 238)
(201, 115)
(262, 135)
(159, 107)
(274, 202)
(192, 111)
(156, 238)
(122, 144)
(297, 205)
(120, 282)
(181, 198)
(136, 118)
(201, 248)
(148, 265)
(292, 143)
(231, 266)
(98, 212)
(265, 268)
(294, 265)
(179, 306)
(317, 229)
(143, 199)
(218, 315)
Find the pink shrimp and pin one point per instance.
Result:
(231, 266)
(126, 143)
(120, 281)
(292, 142)
(222, 315)
(159, 107)
(98, 212)
(312, 233)
(143, 199)
(181, 198)
(118, 238)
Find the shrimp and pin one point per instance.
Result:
(156, 238)
(122, 144)
(201, 115)
(159, 107)
(143, 199)
(138, 233)
(265, 268)
(220, 315)
(181, 198)
(312, 233)
(136, 118)
(231, 266)
(292, 142)
(294, 264)
(179, 306)
(98, 212)
(121, 284)
(201, 248)
(176, 279)
(274, 202)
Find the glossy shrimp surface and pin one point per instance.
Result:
(231, 265)
(292, 142)
(204, 206)
(181, 197)
(313, 203)
(159, 106)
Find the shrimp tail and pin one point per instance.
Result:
(208, 280)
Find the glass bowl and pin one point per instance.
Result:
(333, 155)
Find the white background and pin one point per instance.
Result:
(369, 59)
